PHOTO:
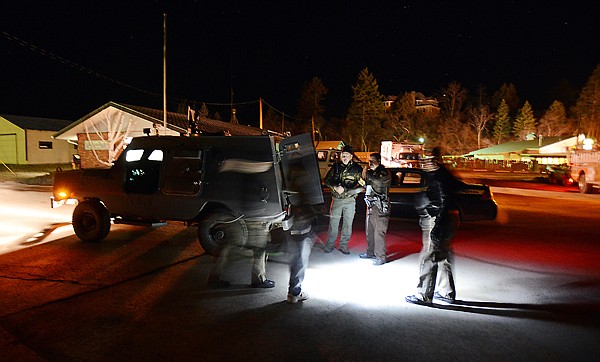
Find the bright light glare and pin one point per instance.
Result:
(133, 155)
(156, 155)
(14, 230)
(358, 281)
(21, 226)
(31, 214)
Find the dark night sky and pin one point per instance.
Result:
(112, 51)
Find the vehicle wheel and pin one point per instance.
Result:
(221, 227)
(91, 221)
(584, 187)
(564, 181)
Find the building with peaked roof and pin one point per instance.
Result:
(421, 102)
(92, 131)
(140, 118)
(28, 140)
(543, 150)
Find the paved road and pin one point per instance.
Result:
(528, 284)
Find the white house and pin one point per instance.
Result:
(90, 132)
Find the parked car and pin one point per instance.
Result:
(475, 201)
(559, 175)
(326, 158)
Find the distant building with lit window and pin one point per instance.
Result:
(542, 150)
(28, 140)
(421, 102)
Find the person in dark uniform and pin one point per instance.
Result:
(344, 180)
(438, 218)
(300, 225)
(377, 179)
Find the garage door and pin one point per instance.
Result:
(8, 148)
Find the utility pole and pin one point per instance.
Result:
(165, 72)
(312, 121)
(233, 118)
(260, 113)
(314, 112)
(230, 88)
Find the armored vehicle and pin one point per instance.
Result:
(219, 183)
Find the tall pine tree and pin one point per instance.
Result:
(310, 105)
(502, 126)
(524, 122)
(588, 106)
(366, 111)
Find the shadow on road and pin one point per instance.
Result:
(585, 314)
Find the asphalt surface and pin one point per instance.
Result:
(140, 296)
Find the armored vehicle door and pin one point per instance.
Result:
(183, 171)
(300, 170)
(142, 169)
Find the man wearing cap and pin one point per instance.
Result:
(439, 219)
(344, 180)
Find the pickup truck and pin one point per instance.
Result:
(222, 184)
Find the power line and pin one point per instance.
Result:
(73, 65)
(94, 73)
(284, 114)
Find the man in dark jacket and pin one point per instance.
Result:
(438, 218)
(300, 227)
(344, 179)
(377, 179)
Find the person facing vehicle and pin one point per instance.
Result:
(377, 179)
(438, 218)
(344, 180)
(301, 230)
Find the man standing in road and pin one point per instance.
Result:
(301, 235)
(438, 218)
(258, 237)
(344, 180)
(377, 179)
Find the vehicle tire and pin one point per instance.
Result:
(564, 181)
(584, 187)
(91, 221)
(220, 227)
